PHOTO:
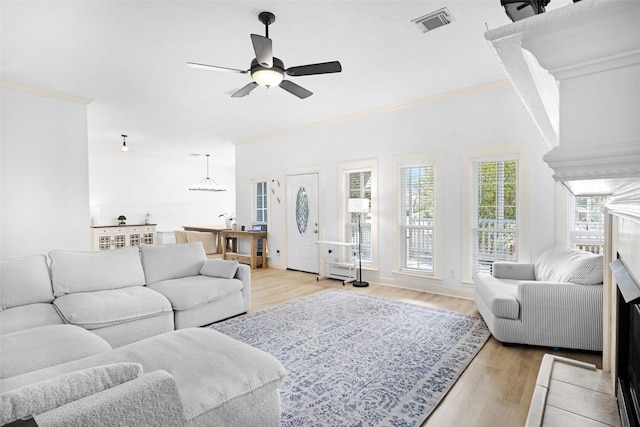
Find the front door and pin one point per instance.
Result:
(302, 222)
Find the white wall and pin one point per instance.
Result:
(449, 125)
(44, 178)
(51, 185)
(123, 184)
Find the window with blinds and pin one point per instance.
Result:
(587, 223)
(417, 218)
(260, 200)
(495, 210)
(359, 187)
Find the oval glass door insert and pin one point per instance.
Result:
(302, 210)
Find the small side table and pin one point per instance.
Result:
(335, 269)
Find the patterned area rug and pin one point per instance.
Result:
(358, 360)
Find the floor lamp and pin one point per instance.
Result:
(359, 206)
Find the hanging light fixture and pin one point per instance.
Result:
(124, 143)
(207, 184)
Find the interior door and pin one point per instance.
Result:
(302, 222)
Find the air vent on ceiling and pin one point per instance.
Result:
(434, 20)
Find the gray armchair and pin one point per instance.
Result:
(554, 302)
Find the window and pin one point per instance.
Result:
(358, 179)
(260, 202)
(417, 218)
(587, 223)
(495, 213)
(359, 187)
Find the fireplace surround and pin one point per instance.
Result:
(628, 344)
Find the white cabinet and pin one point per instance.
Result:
(108, 237)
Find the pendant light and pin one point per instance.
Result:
(207, 184)
(124, 143)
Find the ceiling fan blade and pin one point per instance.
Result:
(245, 90)
(263, 49)
(322, 68)
(295, 89)
(215, 68)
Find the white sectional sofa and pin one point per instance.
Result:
(90, 340)
(123, 295)
(554, 302)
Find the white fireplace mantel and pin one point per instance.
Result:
(577, 69)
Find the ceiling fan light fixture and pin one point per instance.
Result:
(267, 77)
(268, 71)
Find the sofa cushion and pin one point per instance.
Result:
(37, 348)
(95, 271)
(166, 262)
(24, 281)
(210, 368)
(499, 295)
(43, 396)
(219, 268)
(99, 309)
(194, 291)
(28, 316)
(558, 264)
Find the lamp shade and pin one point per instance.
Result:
(358, 205)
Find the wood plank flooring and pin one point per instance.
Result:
(495, 389)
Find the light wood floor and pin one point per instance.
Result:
(495, 389)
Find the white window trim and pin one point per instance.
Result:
(496, 153)
(563, 213)
(417, 160)
(343, 169)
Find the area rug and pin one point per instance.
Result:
(359, 360)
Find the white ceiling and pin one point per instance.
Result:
(129, 58)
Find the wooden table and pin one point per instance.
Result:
(230, 238)
(215, 229)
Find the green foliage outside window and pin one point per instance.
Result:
(497, 190)
(419, 193)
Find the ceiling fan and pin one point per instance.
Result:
(268, 71)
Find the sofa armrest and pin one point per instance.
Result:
(45, 395)
(568, 313)
(152, 399)
(513, 271)
(244, 274)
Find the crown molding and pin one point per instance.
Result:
(44, 93)
(500, 84)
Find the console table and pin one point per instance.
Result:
(229, 240)
(108, 237)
